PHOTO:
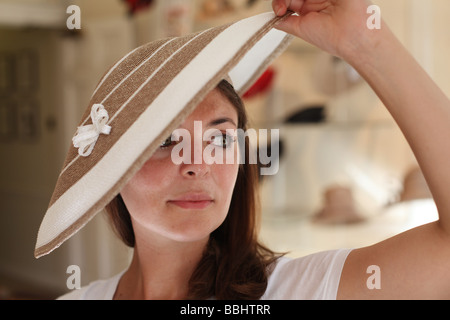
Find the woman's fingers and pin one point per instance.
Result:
(280, 7)
(290, 25)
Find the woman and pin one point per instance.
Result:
(175, 211)
(183, 219)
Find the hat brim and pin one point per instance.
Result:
(178, 83)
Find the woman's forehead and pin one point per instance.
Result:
(214, 106)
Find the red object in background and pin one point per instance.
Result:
(136, 5)
(262, 85)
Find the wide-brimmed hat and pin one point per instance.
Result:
(140, 101)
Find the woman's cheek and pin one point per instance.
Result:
(151, 177)
(228, 175)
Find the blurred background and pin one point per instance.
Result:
(346, 178)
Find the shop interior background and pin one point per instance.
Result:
(346, 175)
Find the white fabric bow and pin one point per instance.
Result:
(87, 136)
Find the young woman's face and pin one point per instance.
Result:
(186, 202)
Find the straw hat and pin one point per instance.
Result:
(139, 102)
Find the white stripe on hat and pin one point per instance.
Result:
(111, 70)
(152, 75)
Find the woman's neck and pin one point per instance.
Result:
(160, 270)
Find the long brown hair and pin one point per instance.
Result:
(234, 265)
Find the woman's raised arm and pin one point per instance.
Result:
(414, 264)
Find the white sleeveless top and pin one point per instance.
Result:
(314, 277)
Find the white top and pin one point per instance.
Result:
(314, 277)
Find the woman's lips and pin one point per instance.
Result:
(192, 204)
(192, 201)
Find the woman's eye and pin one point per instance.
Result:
(223, 140)
(167, 143)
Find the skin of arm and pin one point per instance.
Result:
(414, 264)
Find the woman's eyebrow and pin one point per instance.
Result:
(220, 121)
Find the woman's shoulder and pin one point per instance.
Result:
(313, 277)
(97, 290)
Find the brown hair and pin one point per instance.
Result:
(234, 265)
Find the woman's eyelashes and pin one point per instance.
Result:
(224, 140)
(168, 143)
(218, 138)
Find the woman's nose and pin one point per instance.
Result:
(193, 170)
(194, 164)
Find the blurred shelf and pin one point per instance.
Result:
(297, 234)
